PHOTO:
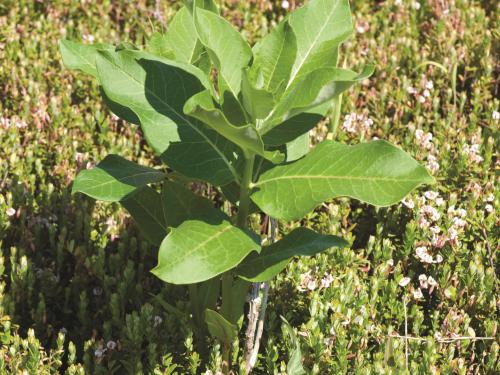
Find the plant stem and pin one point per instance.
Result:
(335, 119)
(241, 219)
(241, 222)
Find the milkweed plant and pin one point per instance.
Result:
(216, 110)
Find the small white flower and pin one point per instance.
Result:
(426, 93)
(111, 345)
(285, 4)
(488, 208)
(435, 229)
(432, 163)
(99, 352)
(431, 281)
(416, 5)
(157, 320)
(452, 234)
(431, 195)
(423, 223)
(417, 294)
(88, 38)
(390, 263)
(439, 201)
(458, 222)
(439, 258)
(411, 90)
(490, 198)
(404, 281)
(429, 85)
(10, 211)
(495, 115)
(326, 281)
(408, 202)
(423, 281)
(421, 99)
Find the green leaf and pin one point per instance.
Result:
(318, 87)
(274, 56)
(274, 258)
(209, 292)
(232, 308)
(158, 45)
(291, 129)
(201, 107)
(203, 4)
(198, 250)
(294, 365)
(81, 56)
(320, 27)
(146, 208)
(182, 40)
(154, 213)
(181, 204)
(257, 102)
(297, 148)
(377, 173)
(227, 49)
(156, 90)
(119, 110)
(114, 179)
(220, 328)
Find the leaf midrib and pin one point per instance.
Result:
(313, 44)
(114, 179)
(322, 177)
(186, 254)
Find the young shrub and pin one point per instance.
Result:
(216, 110)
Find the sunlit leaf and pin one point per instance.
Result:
(199, 250)
(377, 173)
(273, 259)
(114, 178)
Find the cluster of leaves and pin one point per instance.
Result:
(94, 290)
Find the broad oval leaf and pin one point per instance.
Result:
(227, 49)
(81, 56)
(201, 107)
(156, 90)
(114, 179)
(377, 173)
(320, 27)
(274, 56)
(274, 258)
(197, 251)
